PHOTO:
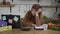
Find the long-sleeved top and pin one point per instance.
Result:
(29, 19)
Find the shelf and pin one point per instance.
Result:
(6, 5)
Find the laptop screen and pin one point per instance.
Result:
(13, 20)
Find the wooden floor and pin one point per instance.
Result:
(18, 31)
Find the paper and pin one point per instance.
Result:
(16, 19)
(10, 21)
(4, 17)
(39, 27)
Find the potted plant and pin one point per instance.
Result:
(44, 19)
(4, 2)
(58, 16)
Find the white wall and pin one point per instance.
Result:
(21, 7)
(4, 10)
(25, 1)
(49, 12)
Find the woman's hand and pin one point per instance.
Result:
(37, 13)
(33, 25)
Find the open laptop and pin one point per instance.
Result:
(13, 20)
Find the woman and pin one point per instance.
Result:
(33, 17)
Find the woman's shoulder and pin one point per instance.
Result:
(28, 12)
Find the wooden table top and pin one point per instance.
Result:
(18, 31)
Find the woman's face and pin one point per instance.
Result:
(34, 11)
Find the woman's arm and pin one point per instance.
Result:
(38, 19)
(26, 20)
